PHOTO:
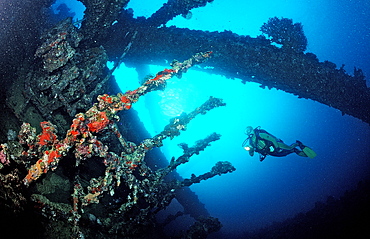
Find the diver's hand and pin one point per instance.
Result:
(262, 157)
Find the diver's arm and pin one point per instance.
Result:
(270, 138)
(251, 152)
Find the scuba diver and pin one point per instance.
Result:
(264, 143)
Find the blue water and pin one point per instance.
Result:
(258, 193)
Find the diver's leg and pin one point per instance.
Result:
(287, 149)
(282, 152)
(282, 145)
(300, 152)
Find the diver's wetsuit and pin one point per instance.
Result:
(265, 147)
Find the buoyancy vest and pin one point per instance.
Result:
(261, 145)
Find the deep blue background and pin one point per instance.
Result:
(257, 194)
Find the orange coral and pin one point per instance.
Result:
(53, 155)
(35, 172)
(42, 165)
(126, 101)
(100, 122)
(107, 98)
(47, 136)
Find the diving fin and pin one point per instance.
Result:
(309, 152)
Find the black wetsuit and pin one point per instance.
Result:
(266, 150)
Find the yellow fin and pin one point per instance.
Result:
(309, 152)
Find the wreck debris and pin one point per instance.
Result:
(249, 59)
(218, 169)
(146, 191)
(188, 152)
(172, 9)
(96, 119)
(59, 45)
(72, 72)
(202, 227)
(11, 191)
(99, 17)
